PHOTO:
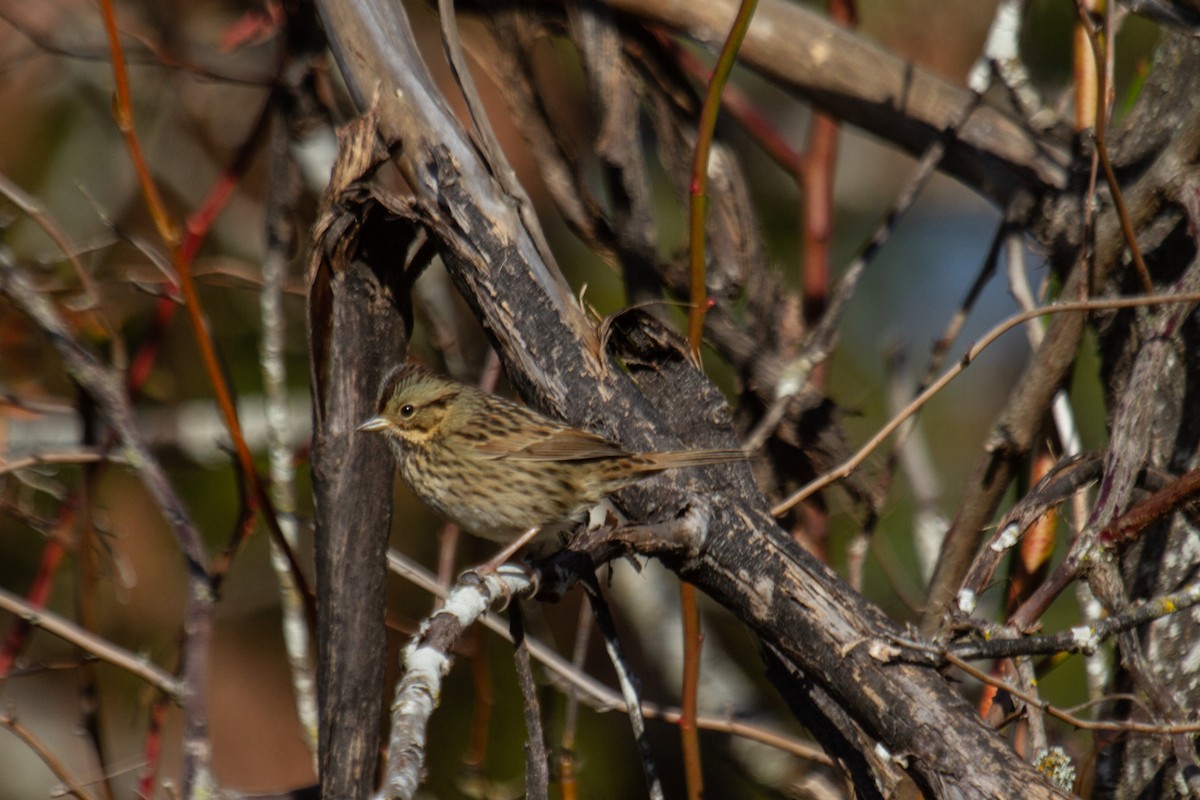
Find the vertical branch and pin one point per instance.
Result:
(817, 174)
(296, 110)
(698, 190)
(280, 242)
(537, 766)
(352, 477)
(629, 691)
(689, 734)
(817, 177)
(355, 336)
(181, 259)
(698, 205)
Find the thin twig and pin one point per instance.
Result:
(46, 755)
(633, 704)
(89, 642)
(698, 190)
(281, 235)
(852, 463)
(537, 765)
(1084, 639)
(35, 211)
(1063, 716)
(59, 458)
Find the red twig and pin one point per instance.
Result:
(41, 586)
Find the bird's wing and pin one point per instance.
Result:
(548, 443)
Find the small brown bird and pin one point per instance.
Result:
(497, 468)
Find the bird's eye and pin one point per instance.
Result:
(407, 410)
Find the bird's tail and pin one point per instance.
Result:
(654, 462)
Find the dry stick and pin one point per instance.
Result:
(493, 154)
(1034, 718)
(104, 389)
(1065, 479)
(89, 642)
(1154, 507)
(1085, 639)
(612, 645)
(282, 196)
(597, 694)
(852, 463)
(47, 756)
(567, 778)
(92, 455)
(537, 765)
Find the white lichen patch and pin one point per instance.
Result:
(1007, 538)
(1085, 638)
(967, 600)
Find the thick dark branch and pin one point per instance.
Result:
(355, 337)
(860, 82)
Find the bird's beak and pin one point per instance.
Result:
(374, 424)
